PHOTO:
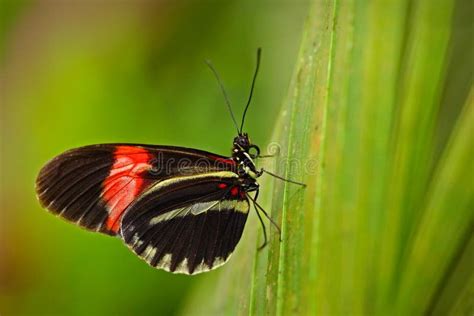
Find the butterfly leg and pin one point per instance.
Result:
(265, 241)
(281, 178)
(257, 206)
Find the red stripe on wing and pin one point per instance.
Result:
(125, 181)
(226, 161)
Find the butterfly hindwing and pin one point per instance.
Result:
(93, 185)
(188, 224)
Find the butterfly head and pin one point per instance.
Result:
(242, 144)
(242, 141)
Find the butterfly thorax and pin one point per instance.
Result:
(246, 168)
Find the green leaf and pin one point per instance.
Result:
(445, 229)
(385, 223)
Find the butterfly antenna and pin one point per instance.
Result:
(259, 53)
(221, 85)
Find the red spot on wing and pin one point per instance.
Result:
(234, 191)
(222, 185)
(125, 181)
(227, 161)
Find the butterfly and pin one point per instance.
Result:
(182, 210)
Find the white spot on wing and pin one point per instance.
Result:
(136, 241)
(182, 267)
(179, 212)
(237, 205)
(201, 267)
(165, 262)
(149, 253)
(218, 262)
(199, 208)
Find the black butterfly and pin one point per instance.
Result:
(180, 209)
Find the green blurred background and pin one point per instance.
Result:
(83, 72)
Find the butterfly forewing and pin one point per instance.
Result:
(94, 185)
(188, 224)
